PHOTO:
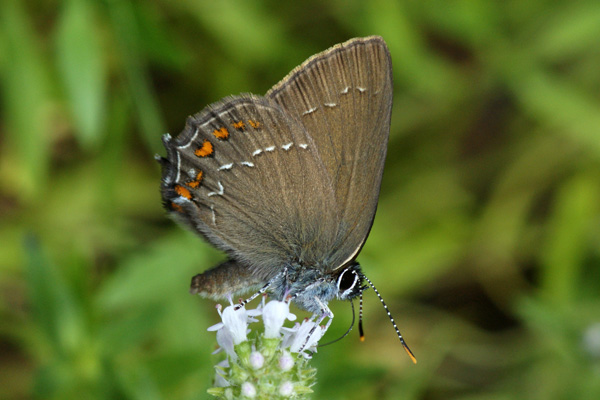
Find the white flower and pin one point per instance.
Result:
(248, 390)
(288, 335)
(225, 341)
(264, 361)
(255, 312)
(286, 389)
(286, 362)
(256, 360)
(220, 380)
(236, 322)
(274, 315)
(233, 329)
(301, 341)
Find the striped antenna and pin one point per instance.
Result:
(410, 353)
(361, 332)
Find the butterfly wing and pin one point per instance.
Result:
(250, 180)
(343, 98)
(290, 177)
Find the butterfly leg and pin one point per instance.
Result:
(325, 313)
(261, 291)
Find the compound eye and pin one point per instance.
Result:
(347, 281)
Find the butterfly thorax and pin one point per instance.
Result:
(311, 288)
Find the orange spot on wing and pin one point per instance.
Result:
(240, 126)
(196, 183)
(176, 207)
(183, 192)
(222, 133)
(206, 149)
(254, 124)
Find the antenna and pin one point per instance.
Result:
(410, 353)
(360, 324)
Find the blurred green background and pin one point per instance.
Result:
(486, 242)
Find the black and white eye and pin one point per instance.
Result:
(347, 282)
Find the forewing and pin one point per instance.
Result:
(249, 179)
(343, 97)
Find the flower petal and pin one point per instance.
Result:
(236, 323)
(274, 315)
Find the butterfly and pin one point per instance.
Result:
(287, 184)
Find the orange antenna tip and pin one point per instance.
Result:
(410, 354)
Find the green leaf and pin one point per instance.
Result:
(572, 30)
(81, 66)
(129, 39)
(26, 97)
(565, 249)
(56, 310)
(560, 105)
